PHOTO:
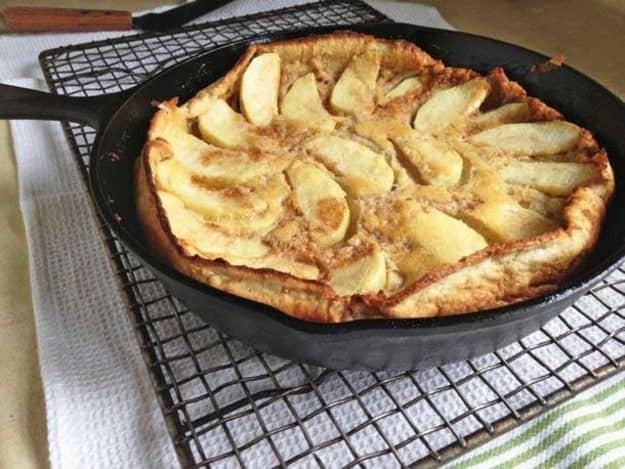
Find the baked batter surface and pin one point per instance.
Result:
(342, 176)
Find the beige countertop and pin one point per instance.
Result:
(590, 33)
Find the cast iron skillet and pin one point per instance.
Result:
(122, 122)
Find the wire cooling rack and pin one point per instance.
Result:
(226, 405)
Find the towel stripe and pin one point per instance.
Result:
(617, 463)
(611, 457)
(557, 434)
(535, 436)
(546, 442)
(601, 449)
(584, 439)
(588, 459)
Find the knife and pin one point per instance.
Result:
(40, 19)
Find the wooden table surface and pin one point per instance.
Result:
(590, 33)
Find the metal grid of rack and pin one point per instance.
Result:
(226, 404)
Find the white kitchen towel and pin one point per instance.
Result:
(100, 406)
(101, 409)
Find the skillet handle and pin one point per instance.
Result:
(23, 103)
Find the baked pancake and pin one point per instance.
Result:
(341, 177)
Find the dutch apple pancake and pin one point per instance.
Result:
(342, 177)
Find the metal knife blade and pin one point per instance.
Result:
(177, 16)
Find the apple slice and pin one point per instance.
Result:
(512, 112)
(321, 201)
(354, 92)
(445, 237)
(259, 89)
(226, 166)
(416, 263)
(553, 178)
(222, 126)
(366, 274)
(435, 162)
(405, 86)
(302, 105)
(536, 138)
(446, 106)
(284, 264)
(211, 203)
(188, 226)
(236, 209)
(381, 132)
(360, 169)
(232, 166)
(528, 197)
(197, 238)
(508, 221)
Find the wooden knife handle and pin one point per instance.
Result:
(36, 19)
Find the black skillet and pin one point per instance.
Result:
(122, 121)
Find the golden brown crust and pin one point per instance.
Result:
(501, 274)
(304, 299)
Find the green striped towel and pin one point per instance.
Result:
(587, 431)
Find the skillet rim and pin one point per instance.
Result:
(572, 287)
